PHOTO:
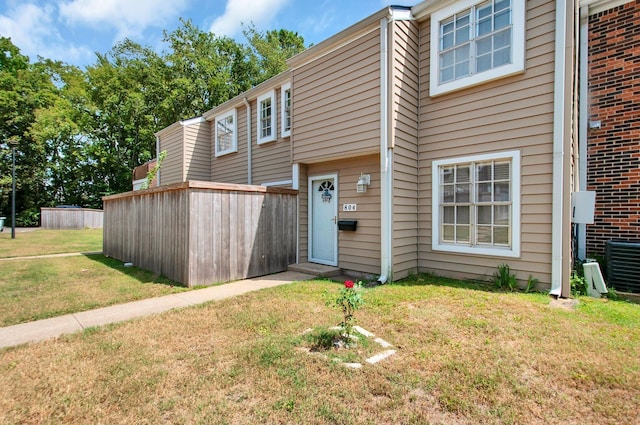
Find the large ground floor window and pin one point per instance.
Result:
(476, 204)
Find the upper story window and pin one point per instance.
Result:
(285, 94)
(473, 42)
(267, 117)
(226, 133)
(476, 204)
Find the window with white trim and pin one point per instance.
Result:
(473, 42)
(226, 133)
(476, 204)
(267, 117)
(285, 95)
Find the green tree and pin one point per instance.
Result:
(61, 129)
(272, 49)
(124, 115)
(24, 90)
(205, 70)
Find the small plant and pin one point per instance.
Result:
(503, 279)
(349, 300)
(578, 283)
(531, 284)
(151, 174)
(322, 339)
(612, 294)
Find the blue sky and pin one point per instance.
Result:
(73, 30)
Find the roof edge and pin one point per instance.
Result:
(253, 92)
(354, 31)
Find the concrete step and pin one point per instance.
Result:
(316, 269)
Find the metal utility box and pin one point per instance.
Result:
(582, 207)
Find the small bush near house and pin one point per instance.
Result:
(503, 279)
(531, 284)
(578, 284)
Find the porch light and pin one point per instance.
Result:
(363, 181)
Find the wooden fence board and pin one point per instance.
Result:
(201, 233)
(71, 218)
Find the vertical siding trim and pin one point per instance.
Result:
(386, 156)
(559, 285)
(583, 115)
(249, 174)
(295, 184)
(157, 159)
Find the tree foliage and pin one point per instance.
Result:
(272, 49)
(24, 89)
(78, 133)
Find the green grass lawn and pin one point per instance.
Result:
(34, 289)
(465, 355)
(41, 242)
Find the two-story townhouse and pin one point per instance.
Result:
(443, 130)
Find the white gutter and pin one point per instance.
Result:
(559, 105)
(386, 163)
(157, 159)
(584, 120)
(249, 173)
(295, 176)
(386, 149)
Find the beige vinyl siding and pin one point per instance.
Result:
(303, 214)
(232, 168)
(514, 113)
(358, 251)
(337, 103)
(271, 161)
(173, 164)
(197, 151)
(404, 137)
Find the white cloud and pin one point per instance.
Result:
(28, 25)
(32, 29)
(129, 17)
(238, 12)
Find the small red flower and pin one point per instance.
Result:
(348, 284)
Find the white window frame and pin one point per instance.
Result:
(234, 141)
(518, 11)
(285, 132)
(437, 245)
(271, 95)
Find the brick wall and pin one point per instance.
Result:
(613, 151)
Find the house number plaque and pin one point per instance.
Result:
(349, 207)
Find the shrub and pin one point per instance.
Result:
(503, 278)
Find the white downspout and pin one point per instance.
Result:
(386, 163)
(249, 173)
(558, 151)
(584, 120)
(157, 159)
(295, 184)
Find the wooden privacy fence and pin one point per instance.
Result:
(70, 218)
(199, 233)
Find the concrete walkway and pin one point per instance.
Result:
(70, 323)
(66, 254)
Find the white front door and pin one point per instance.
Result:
(323, 219)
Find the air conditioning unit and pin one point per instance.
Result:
(623, 265)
